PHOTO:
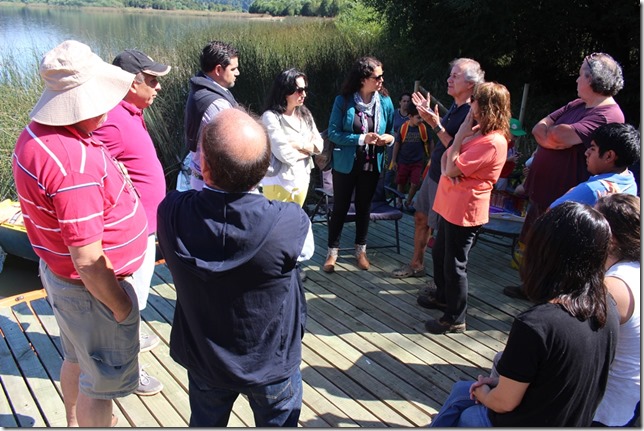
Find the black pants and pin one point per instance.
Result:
(364, 184)
(449, 255)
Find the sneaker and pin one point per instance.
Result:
(514, 292)
(439, 326)
(148, 385)
(148, 341)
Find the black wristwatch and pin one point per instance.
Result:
(439, 128)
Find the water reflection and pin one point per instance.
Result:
(26, 33)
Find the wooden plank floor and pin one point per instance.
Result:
(367, 360)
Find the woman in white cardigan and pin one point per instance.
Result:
(293, 136)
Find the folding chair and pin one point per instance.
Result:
(382, 206)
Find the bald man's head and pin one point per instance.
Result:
(236, 152)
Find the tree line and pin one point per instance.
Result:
(321, 8)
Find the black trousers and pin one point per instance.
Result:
(364, 184)
(449, 255)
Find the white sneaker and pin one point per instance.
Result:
(148, 341)
(148, 385)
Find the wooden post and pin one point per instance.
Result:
(524, 101)
(419, 88)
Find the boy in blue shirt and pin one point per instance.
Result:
(614, 147)
(412, 146)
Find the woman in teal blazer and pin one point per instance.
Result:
(360, 126)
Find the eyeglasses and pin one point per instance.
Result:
(378, 78)
(593, 56)
(301, 90)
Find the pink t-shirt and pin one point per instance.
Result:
(72, 193)
(126, 137)
(465, 200)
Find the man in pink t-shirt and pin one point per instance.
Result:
(86, 223)
(126, 136)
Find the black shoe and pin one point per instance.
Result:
(439, 326)
(430, 302)
(514, 292)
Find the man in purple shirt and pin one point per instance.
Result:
(128, 141)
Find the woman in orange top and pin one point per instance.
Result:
(469, 168)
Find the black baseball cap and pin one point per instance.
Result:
(134, 61)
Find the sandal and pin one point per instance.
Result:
(407, 271)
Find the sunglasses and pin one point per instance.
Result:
(301, 90)
(377, 78)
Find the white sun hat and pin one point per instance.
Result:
(78, 85)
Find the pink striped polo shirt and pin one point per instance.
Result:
(72, 193)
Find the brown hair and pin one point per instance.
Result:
(494, 107)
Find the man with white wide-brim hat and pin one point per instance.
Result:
(86, 223)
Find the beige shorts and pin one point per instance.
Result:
(106, 351)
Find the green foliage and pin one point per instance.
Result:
(540, 42)
(321, 8)
(360, 21)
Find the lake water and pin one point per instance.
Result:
(26, 33)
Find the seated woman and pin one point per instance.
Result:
(554, 369)
(623, 277)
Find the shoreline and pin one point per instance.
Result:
(135, 10)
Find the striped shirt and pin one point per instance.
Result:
(72, 193)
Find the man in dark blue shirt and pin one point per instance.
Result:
(233, 254)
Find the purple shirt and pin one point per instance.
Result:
(128, 141)
(554, 172)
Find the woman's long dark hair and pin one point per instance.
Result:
(564, 260)
(623, 214)
(362, 68)
(284, 85)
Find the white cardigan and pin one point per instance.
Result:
(296, 166)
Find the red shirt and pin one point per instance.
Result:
(126, 137)
(72, 193)
(465, 200)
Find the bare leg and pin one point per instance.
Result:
(69, 373)
(401, 190)
(413, 188)
(421, 236)
(93, 412)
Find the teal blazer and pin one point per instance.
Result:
(346, 141)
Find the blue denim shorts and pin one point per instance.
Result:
(105, 350)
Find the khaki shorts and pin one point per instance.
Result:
(106, 351)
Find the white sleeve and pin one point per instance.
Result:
(309, 246)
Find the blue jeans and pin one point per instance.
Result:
(460, 411)
(274, 404)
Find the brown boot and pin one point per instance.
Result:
(331, 257)
(361, 256)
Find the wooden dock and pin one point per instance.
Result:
(367, 360)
